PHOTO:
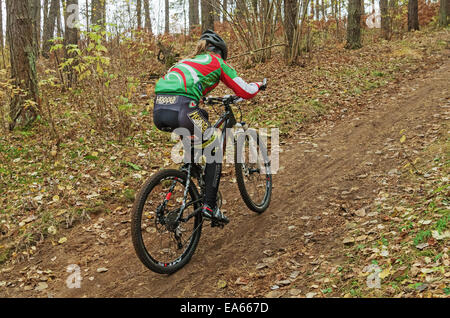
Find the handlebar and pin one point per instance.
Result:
(227, 99)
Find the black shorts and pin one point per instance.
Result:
(175, 111)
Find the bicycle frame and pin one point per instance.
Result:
(227, 120)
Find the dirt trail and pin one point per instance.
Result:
(330, 169)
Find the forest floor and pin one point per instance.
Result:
(360, 207)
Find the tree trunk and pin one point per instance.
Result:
(148, 21)
(290, 23)
(444, 12)
(196, 13)
(87, 15)
(23, 106)
(193, 14)
(385, 20)
(1, 26)
(166, 17)
(207, 15)
(353, 25)
(323, 9)
(139, 13)
(71, 36)
(98, 14)
(239, 9)
(225, 8)
(45, 9)
(413, 15)
(49, 27)
(216, 9)
(2, 42)
(317, 10)
(36, 20)
(58, 20)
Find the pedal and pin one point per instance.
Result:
(217, 224)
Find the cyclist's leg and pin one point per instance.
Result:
(196, 119)
(213, 173)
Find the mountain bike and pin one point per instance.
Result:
(167, 222)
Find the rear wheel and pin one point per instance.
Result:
(162, 242)
(253, 174)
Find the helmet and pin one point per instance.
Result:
(215, 40)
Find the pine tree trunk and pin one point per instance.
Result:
(207, 15)
(413, 15)
(49, 27)
(23, 107)
(444, 12)
(353, 25)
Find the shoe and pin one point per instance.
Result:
(214, 215)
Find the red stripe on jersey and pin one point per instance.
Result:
(206, 91)
(205, 69)
(182, 75)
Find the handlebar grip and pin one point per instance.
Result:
(264, 85)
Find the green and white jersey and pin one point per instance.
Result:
(198, 76)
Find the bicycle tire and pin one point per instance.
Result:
(240, 178)
(136, 221)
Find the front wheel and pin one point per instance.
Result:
(163, 241)
(253, 173)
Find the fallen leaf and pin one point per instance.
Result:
(62, 240)
(41, 286)
(102, 270)
(221, 284)
(51, 230)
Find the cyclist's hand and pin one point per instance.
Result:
(263, 85)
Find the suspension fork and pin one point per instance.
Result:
(162, 206)
(186, 189)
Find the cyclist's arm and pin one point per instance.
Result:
(241, 88)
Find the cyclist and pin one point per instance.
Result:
(177, 102)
